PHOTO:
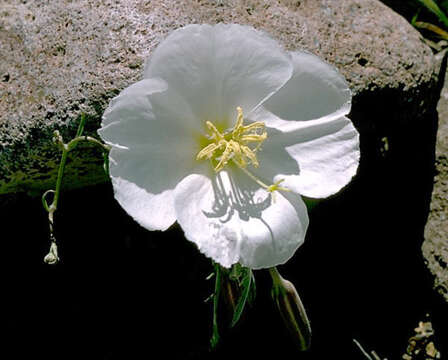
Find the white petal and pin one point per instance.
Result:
(217, 68)
(311, 144)
(147, 112)
(232, 220)
(154, 148)
(315, 160)
(144, 179)
(152, 211)
(315, 90)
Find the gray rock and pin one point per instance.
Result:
(435, 246)
(62, 58)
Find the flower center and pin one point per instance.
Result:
(235, 144)
(239, 145)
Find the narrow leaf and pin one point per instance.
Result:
(414, 18)
(215, 334)
(245, 285)
(431, 27)
(253, 290)
(432, 6)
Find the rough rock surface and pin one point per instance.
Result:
(60, 59)
(435, 247)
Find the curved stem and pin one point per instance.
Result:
(71, 145)
(52, 257)
(66, 148)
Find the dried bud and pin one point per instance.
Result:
(291, 310)
(52, 257)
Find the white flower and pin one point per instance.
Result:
(222, 135)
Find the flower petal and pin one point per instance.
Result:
(316, 159)
(147, 112)
(217, 68)
(152, 150)
(232, 220)
(311, 144)
(152, 211)
(315, 89)
(144, 181)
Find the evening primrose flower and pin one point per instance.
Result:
(223, 134)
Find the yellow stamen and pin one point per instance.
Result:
(250, 154)
(254, 125)
(234, 146)
(207, 152)
(215, 132)
(240, 118)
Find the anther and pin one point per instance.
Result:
(233, 146)
(207, 152)
(240, 118)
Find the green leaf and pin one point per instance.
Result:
(414, 18)
(253, 290)
(245, 284)
(431, 27)
(215, 334)
(444, 5)
(237, 272)
(215, 337)
(81, 125)
(433, 7)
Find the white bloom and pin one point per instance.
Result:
(223, 134)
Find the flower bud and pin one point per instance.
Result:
(52, 257)
(291, 310)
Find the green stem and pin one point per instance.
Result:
(276, 277)
(215, 335)
(66, 148)
(54, 204)
(71, 145)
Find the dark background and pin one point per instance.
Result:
(121, 292)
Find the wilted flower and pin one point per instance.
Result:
(222, 135)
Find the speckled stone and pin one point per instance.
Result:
(59, 59)
(435, 247)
